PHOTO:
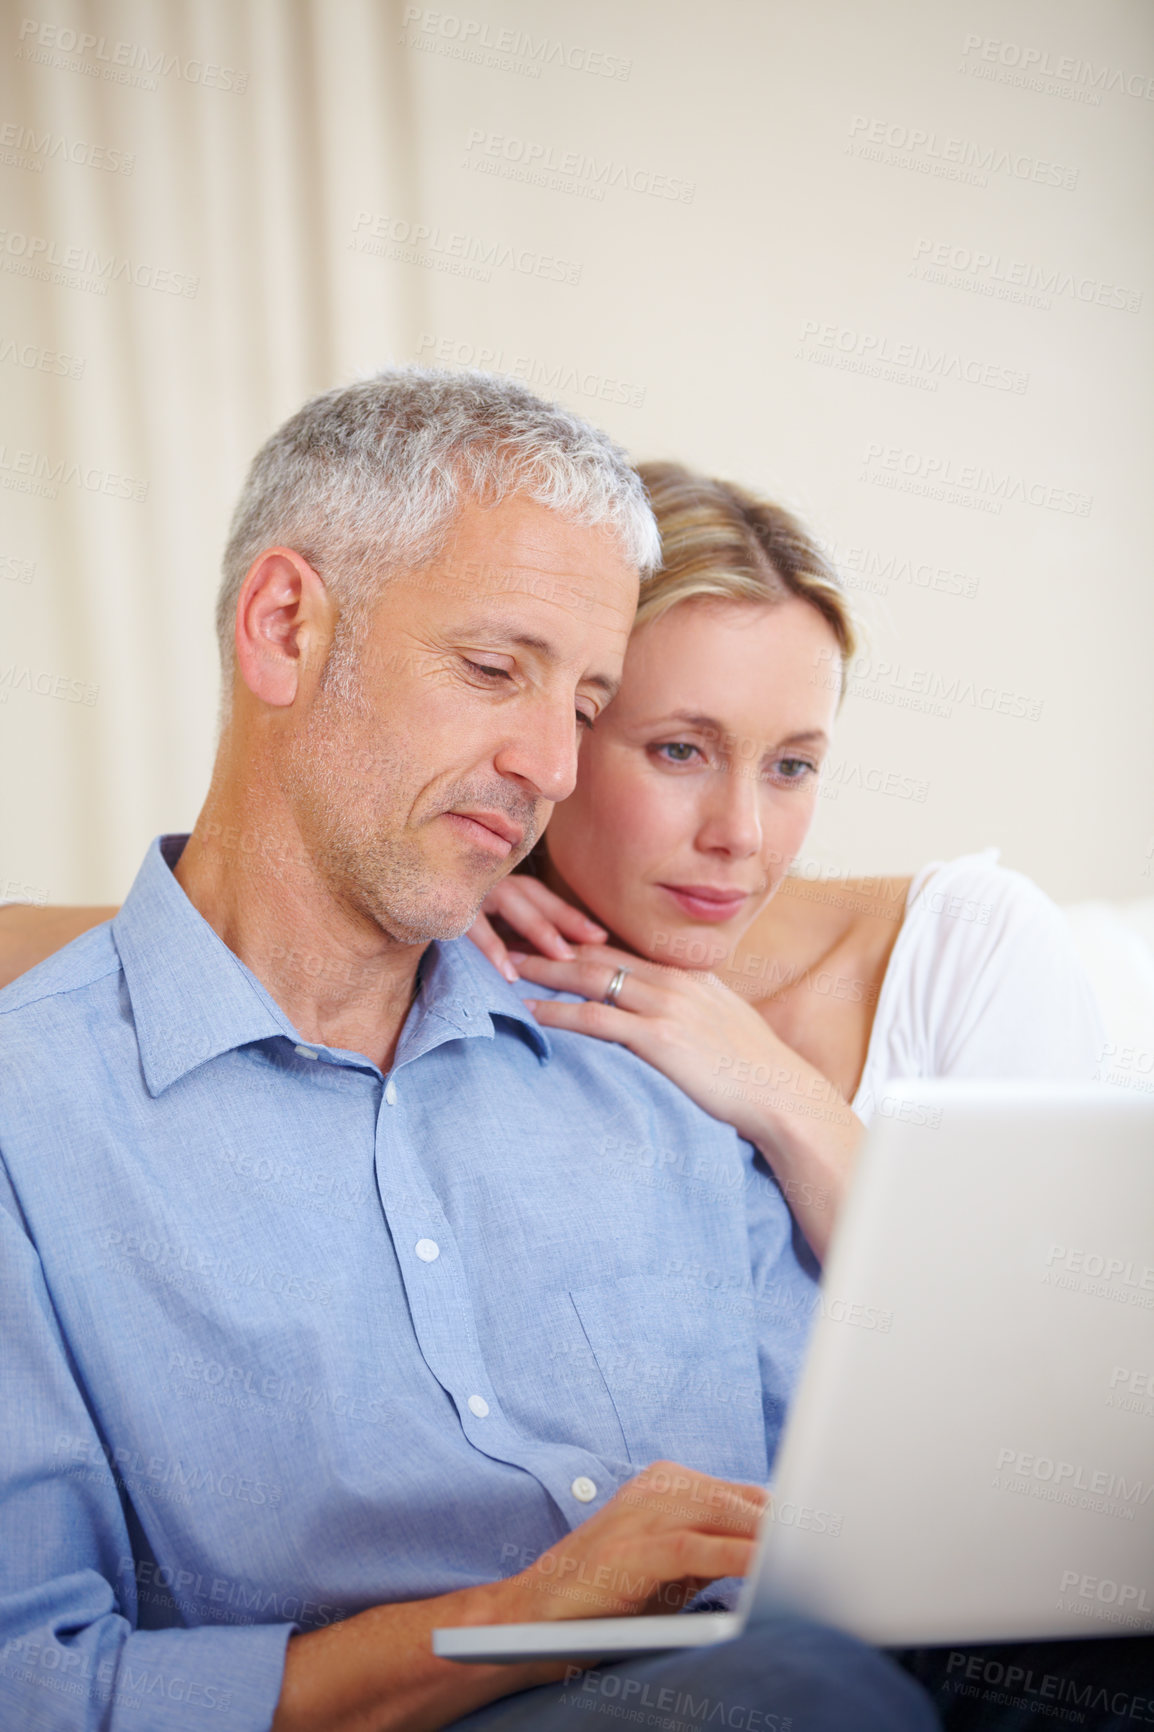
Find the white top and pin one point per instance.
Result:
(983, 981)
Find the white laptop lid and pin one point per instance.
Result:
(970, 1453)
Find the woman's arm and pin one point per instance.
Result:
(28, 933)
(725, 1056)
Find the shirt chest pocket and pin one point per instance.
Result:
(684, 1380)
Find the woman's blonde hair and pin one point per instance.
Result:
(718, 541)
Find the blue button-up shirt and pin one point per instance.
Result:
(285, 1338)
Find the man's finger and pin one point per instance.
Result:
(699, 1499)
(672, 1556)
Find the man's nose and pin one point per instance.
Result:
(541, 750)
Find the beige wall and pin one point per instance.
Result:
(770, 283)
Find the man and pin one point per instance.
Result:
(344, 1303)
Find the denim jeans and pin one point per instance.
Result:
(782, 1675)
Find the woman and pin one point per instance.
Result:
(779, 1005)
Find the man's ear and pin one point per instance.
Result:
(285, 619)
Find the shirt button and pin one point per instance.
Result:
(428, 1250)
(478, 1405)
(306, 1051)
(391, 1093)
(583, 1489)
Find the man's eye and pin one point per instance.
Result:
(584, 721)
(487, 672)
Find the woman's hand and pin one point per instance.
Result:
(545, 919)
(725, 1056)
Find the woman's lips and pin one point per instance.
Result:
(702, 903)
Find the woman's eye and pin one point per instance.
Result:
(794, 769)
(676, 751)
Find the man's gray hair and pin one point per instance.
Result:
(370, 478)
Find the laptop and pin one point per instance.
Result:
(969, 1455)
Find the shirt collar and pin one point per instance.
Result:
(193, 998)
(460, 986)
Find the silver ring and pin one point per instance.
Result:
(615, 986)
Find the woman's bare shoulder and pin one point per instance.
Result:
(809, 917)
(848, 899)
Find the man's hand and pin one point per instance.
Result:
(657, 1542)
(661, 1539)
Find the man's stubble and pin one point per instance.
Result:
(344, 776)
